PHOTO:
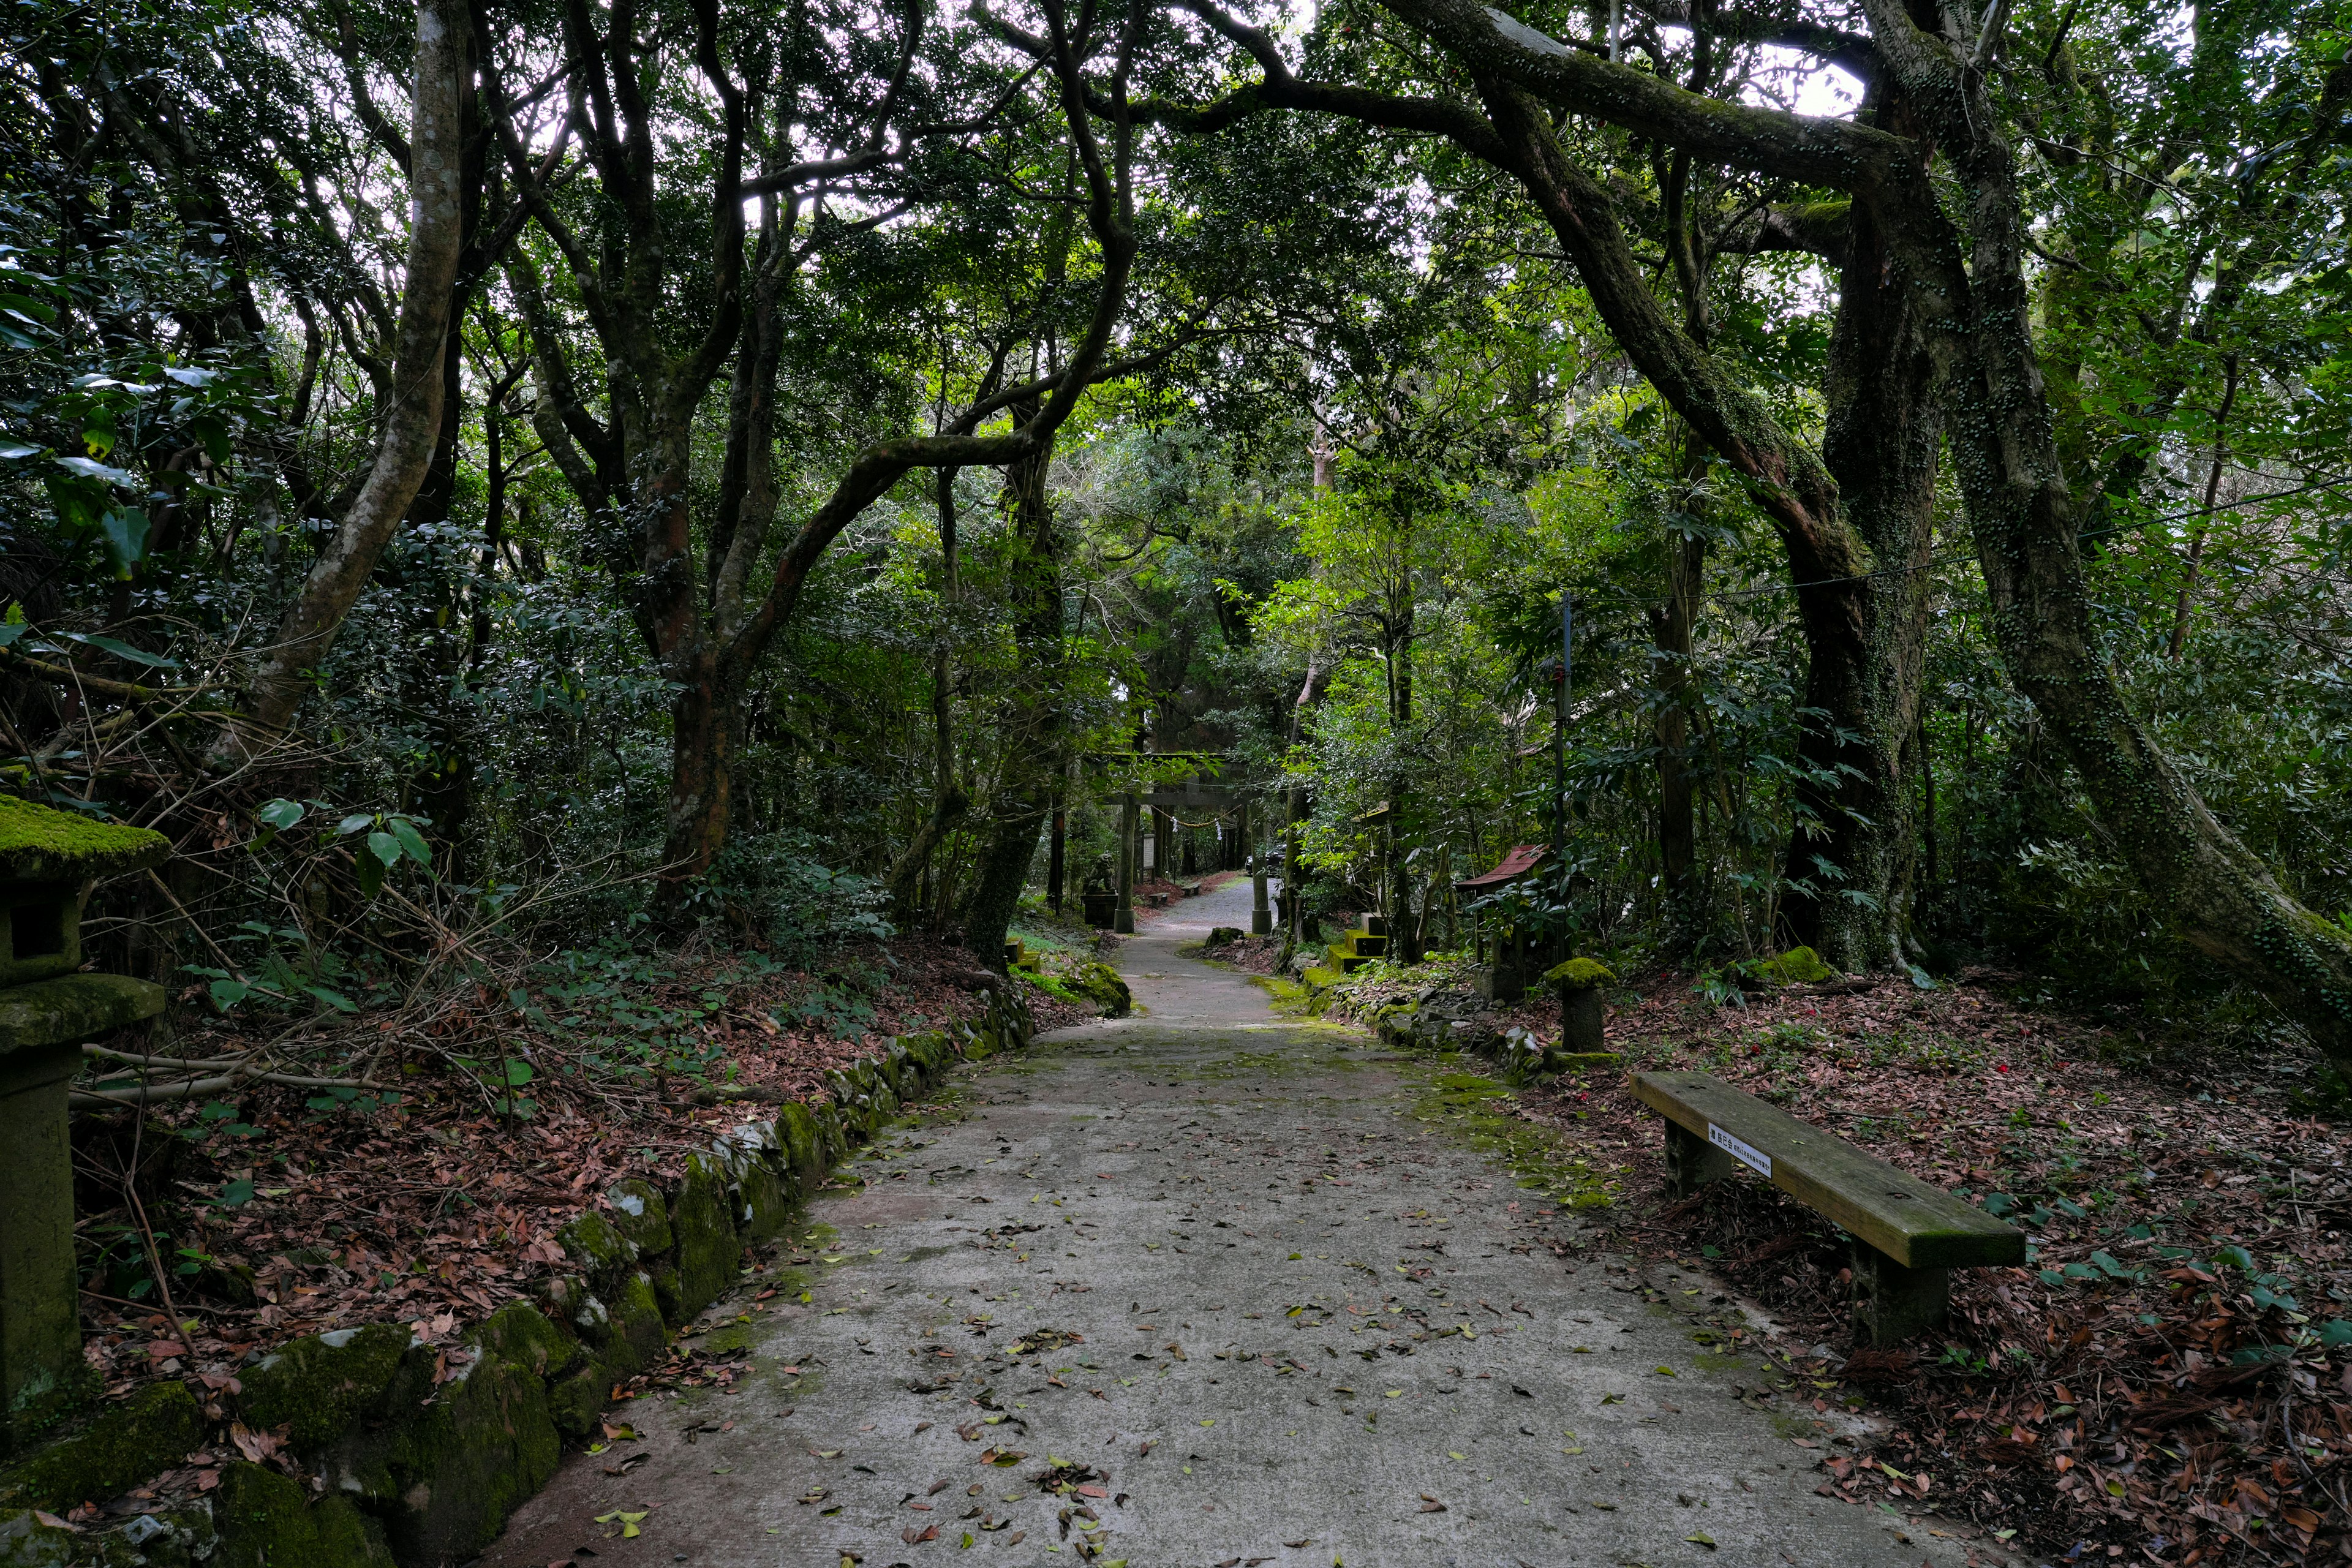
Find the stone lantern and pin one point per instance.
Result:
(48, 861)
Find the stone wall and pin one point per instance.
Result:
(420, 1473)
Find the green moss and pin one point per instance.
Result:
(624, 1333)
(176, 1537)
(1477, 1110)
(764, 1189)
(1580, 975)
(1799, 966)
(1103, 986)
(269, 1521)
(797, 1136)
(596, 1249)
(317, 1386)
(27, 1543)
(639, 1212)
(520, 1334)
(707, 1247)
(69, 1006)
(470, 1451)
(40, 845)
(126, 1443)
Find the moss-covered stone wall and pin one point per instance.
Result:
(415, 1471)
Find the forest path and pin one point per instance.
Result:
(1381, 1360)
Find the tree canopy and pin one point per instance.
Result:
(478, 473)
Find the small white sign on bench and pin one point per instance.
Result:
(1746, 1153)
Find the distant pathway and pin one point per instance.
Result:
(1212, 1259)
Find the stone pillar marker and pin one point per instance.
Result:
(1122, 920)
(48, 862)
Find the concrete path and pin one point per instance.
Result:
(1212, 1287)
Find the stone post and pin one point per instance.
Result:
(47, 860)
(1123, 918)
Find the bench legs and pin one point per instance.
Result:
(1891, 1302)
(1692, 1162)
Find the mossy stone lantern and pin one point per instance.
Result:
(48, 861)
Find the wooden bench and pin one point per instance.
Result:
(1912, 1235)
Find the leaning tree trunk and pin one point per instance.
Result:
(2205, 884)
(412, 423)
(1830, 560)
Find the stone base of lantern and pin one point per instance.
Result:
(42, 1373)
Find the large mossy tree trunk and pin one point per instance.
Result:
(2027, 517)
(1852, 858)
(1032, 738)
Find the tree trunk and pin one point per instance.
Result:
(2026, 519)
(412, 423)
(1852, 852)
(1033, 737)
(1672, 627)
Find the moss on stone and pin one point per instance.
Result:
(1585, 1061)
(1799, 966)
(1580, 975)
(1103, 985)
(639, 1212)
(27, 1543)
(708, 1247)
(576, 1399)
(796, 1137)
(266, 1521)
(38, 843)
(763, 1190)
(470, 1451)
(317, 1386)
(519, 1333)
(596, 1248)
(833, 1137)
(122, 1445)
(71, 1007)
(175, 1538)
(636, 1335)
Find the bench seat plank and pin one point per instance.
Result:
(1918, 1226)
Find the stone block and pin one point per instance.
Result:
(1104, 987)
(446, 1475)
(134, 1440)
(639, 1212)
(317, 1386)
(266, 1521)
(708, 1251)
(597, 1248)
(1582, 1019)
(797, 1137)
